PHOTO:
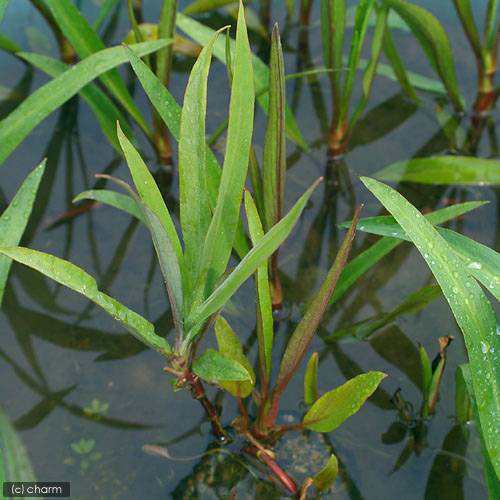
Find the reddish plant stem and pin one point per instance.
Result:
(273, 466)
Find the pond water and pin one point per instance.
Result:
(86, 397)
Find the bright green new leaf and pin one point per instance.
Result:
(434, 41)
(248, 265)
(325, 478)
(86, 42)
(311, 380)
(102, 106)
(470, 307)
(230, 347)
(265, 325)
(221, 233)
(202, 34)
(75, 278)
(214, 367)
(194, 204)
(15, 217)
(303, 334)
(336, 406)
(20, 122)
(461, 170)
(15, 464)
(114, 199)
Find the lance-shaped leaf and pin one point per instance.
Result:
(470, 307)
(170, 112)
(311, 380)
(425, 365)
(274, 159)
(15, 464)
(221, 232)
(265, 322)
(148, 191)
(75, 278)
(336, 406)
(113, 199)
(461, 170)
(202, 34)
(303, 334)
(325, 478)
(86, 42)
(102, 106)
(463, 406)
(166, 30)
(41, 103)
(491, 26)
(369, 257)
(434, 41)
(106, 7)
(248, 265)
(3, 7)
(15, 217)
(214, 367)
(194, 205)
(464, 10)
(230, 347)
(201, 6)
(438, 366)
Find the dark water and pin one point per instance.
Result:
(68, 373)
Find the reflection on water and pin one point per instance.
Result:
(86, 397)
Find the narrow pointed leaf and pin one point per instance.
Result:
(166, 30)
(41, 103)
(3, 7)
(106, 7)
(434, 41)
(230, 346)
(75, 278)
(460, 170)
(425, 364)
(194, 205)
(336, 406)
(15, 217)
(113, 199)
(265, 326)
(201, 6)
(464, 10)
(15, 464)
(274, 159)
(470, 307)
(102, 106)
(202, 34)
(222, 230)
(148, 190)
(86, 42)
(248, 265)
(303, 334)
(311, 380)
(325, 478)
(214, 367)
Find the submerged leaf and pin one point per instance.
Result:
(325, 478)
(214, 367)
(311, 380)
(470, 307)
(336, 406)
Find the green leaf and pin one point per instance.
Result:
(230, 347)
(336, 406)
(464, 10)
(460, 170)
(304, 332)
(325, 478)
(219, 239)
(311, 380)
(202, 34)
(252, 260)
(102, 106)
(15, 464)
(46, 99)
(265, 321)
(3, 7)
(170, 112)
(425, 364)
(201, 6)
(15, 217)
(114, 199)
(491, 26)
(8, 45)
(193, 199)
(166, 30)
(86, 42)
(470, 307)
(434, 41)
(274, 159)
(106, 7)
(214, 367)
(148, 191)
(463, 407)
(75, 278)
